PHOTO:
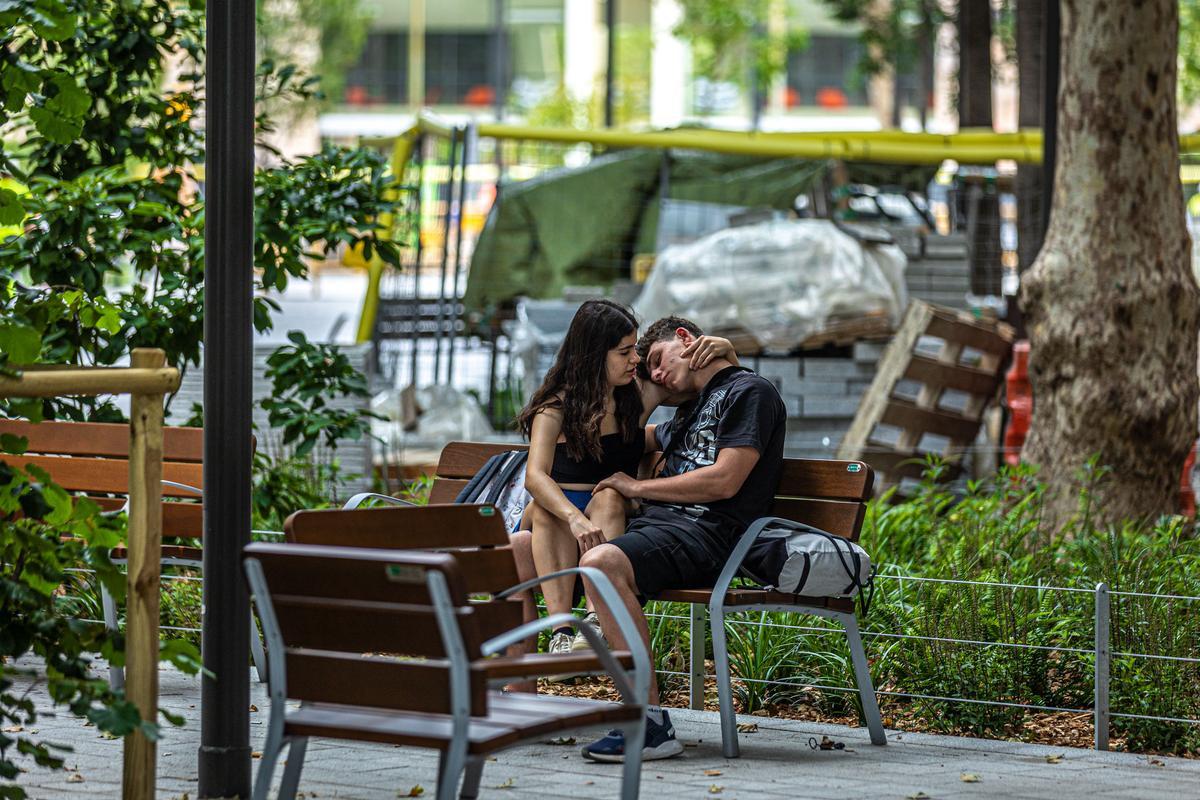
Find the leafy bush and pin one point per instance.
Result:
(37, 618)
(992, 534)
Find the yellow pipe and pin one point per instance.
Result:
(401, 153)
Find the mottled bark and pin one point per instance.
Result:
(1031, 15)
(1112, 307)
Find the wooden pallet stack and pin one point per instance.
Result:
(930, 390)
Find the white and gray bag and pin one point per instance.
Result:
(800, 559)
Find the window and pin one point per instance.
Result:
(826, 73)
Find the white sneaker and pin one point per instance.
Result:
(581, 643)
(560, 644)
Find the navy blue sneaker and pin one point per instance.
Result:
(660, 743)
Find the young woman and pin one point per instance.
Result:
(585, 422)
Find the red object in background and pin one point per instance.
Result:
(831, 97)
(1187, 495)
(480, 95)
(357, 96)
(791, 98)
(1020, 408)
(1020, 403)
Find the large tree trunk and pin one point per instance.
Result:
(1112, 307)
(1031, 16)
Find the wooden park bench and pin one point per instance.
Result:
(475, 535)
(92, 458)
(830, 495)
(385, 646)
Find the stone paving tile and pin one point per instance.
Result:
(776, 763)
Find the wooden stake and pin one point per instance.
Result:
(145, 547)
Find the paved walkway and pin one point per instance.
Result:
(776, 763)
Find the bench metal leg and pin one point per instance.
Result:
(470, 787)
(450, 769)
(256, 651)
(631, 773)
(291, 770)
(266, 767)
(116, 675)
(729, 737)
(862, 676)
(696, 657)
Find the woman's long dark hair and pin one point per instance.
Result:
(578, 382)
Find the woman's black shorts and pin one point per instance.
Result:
(670, 548)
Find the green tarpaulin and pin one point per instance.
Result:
(582, 226)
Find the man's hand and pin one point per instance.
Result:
(627, 486)
(587, 533)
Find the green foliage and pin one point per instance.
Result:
(304, 377)
(285, 484)
(1189, 52)
(45, 532)
(992, 534)
(286, 30)
(728, 35)
(891, 33)
(112, 253)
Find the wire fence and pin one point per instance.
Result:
(1104, 681)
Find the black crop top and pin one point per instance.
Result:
(619, 456)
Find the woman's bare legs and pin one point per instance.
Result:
(554, 548)
(521, 543)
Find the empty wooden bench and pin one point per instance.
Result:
(475, 536)
(92, 458)
(385, 646)
(830, 495)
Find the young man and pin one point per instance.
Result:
(722, 458)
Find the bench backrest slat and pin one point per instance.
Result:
(107, 475)
(376, 682)
(474, 534)
(827, 494)
(102, 439)
(359, 625)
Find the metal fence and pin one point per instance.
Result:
(1103, 649)
(1100, 655)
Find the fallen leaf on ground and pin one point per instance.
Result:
(916, 796)
(1157, 762)
(1054, 759)
(712, 773)
(508, 784)
(253, 707)
(415, 791)
(588, 783)
(969, 777)
(107, 735)
(562, 740)
(714, 789)
(256, 754)
(747, 727)
(13, 729)
(75, 777)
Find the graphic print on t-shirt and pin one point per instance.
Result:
(700, 439)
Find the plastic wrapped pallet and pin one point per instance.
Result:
(781, 280)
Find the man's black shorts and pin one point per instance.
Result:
(672, 549)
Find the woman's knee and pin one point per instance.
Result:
(607, 500)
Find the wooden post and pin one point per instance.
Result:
(145, 546)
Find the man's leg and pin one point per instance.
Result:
(659, 736)
(616, 566)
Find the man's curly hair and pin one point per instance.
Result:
(662, 330)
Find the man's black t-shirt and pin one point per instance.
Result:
(737, 408)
